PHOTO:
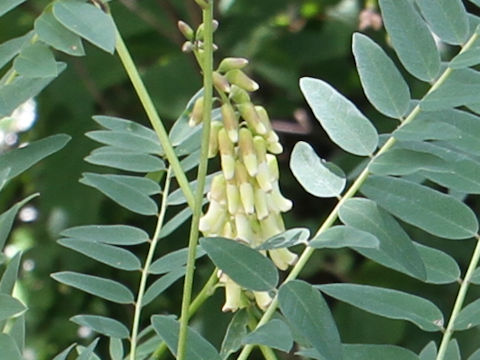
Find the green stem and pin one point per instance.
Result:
(307, 253)
(207, 13)
(146, 268)
(154, 118)
(462, 292)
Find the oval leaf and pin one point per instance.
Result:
(343, 122)
(88, 21)
(9, 348)
(173, 260)
(468, 317)
(102, 325)
(429, 352)
(162, 284)
(198, 348)
(389, 303)
(244, 265)
(275, 334)
(344, 236)
(9, 307)
(125, 160)
(313, 174)
(236, 331)
(103, 288)
(133, 141)
(411, 39)
(108, 234)
(289, 238)
(116, 257)
(383, 84)
(441, 267)
(64, 354)
(36, 61)
(430, 210)
(307, 310)
(115, 348)
(377, 352)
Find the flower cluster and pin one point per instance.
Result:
(246, 204)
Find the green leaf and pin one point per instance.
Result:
(9, 307)
(286, 239)
(470, 57)
(411, 39)
(244, 265)
(177, 198)
(236, 331)
(453, 351)
(275, 334)
(125, 160)
(103, 288)
(344, 236)
(343, 122)
(325, 182)
(127, 126)
(406, 162)
(133, 141)
(36, 61)
(377, 352)
(429, 352)
(102, 325)
(17, 332)
(468, 317)
(441, 267)
(111, 255)
(476, 277)
(125, 195)
(7, 5)
(428, 209)
(10, 275)
(50, 31)
(19, 160)
(459, 89)
(87, 353)
(173, 260)
(306, 309)
(8, 346)
(388, 303)
(177, 220)
(181, 132)
(88, 21)
(116, 349)
(162, 284)
(108, 234)
(197, 347)
(427, 129)
(7, 218)
(9, 49)
(396, 248)
(383, 84)
(63, 355)
(475, 355)
(447, 19)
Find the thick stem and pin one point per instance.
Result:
(462, 292)
(146, 267)
(207, 13)
(307, 253)
(154, 118)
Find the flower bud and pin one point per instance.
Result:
(197, 112)
(238, 95)
(263, 117)
(263, 299)
(218, 189)
(261, 207)
(199, 33)
(270, 226)
(187, 47)
(281, 202)
(213, 221)
(213, 142)
(245, 143)
(248, 112)
(214, 25)
(246, 189)
(227, 155)
(275, 148)
(282, 258)
(233, 197)
(220, 82)
(186, 30)
(233, 296)
(273, 167)
(230, 120)
(231, 63)
(260, 150)
(263, 177)
(228, 230)
(238, 77)
(243, 227)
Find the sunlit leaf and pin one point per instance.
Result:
(344, 236)
(430, 210)
(198, 348)
(467, 58)
(275, 334)
(244, 265)
(102, 325)
(17, 331)
(36, 61)
(9, 306)
(236, 331)
(108, 234)
(134, 141)
(88, 21)
(411, 39)
(405, 162)
(343, 122)
(314, 174)
(9, 348)
(173, 260)
(389, 303)
(427, 129)
(286, 239)
(306, 309)
(12, 47)
(383, 84)
(10, 275)
(441, 268)
(116, 349)
(104, 288)
(125, 160)
(469, 316)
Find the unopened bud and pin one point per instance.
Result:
(245, 143)
(263, 177)
(233, 197)
(246, 189)
(199, 33)
(238, 77)
(248, 112)
(220, 82)
(264, 118)
(273, 167)
(230, 120)
(238, 95)
(213, 143)
(261, 207)
(218, 189)
(231, 63)
(282, 258)
(281, 202)
(213, 221)
(187, 47)
(228, 231)
(214, 25)
(275, 148)
(186, 30)
(233, 296)
(227, 156)
(263, 299)
(244, 230)
(197, 112)
(270, 227)
(260, 150)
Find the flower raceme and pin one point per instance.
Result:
(246, 204)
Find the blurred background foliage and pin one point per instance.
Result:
(284, 40)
